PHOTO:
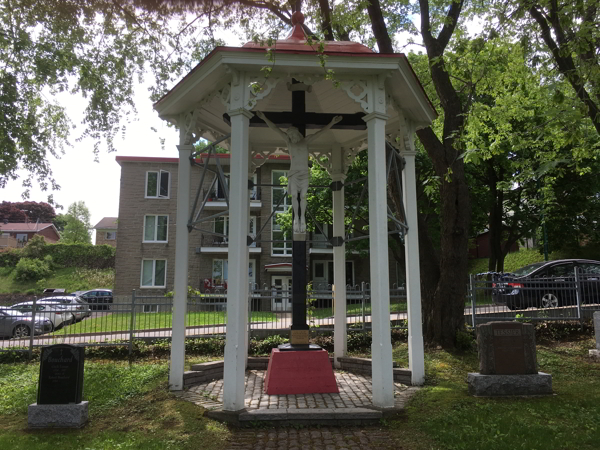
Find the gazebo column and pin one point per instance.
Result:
(339, 258)
(237, 289)
(181, 265)
(381, 348)
(416, 352)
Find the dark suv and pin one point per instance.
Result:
(549, 284)
(99, 299)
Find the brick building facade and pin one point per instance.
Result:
(106, 231)
(145, 258)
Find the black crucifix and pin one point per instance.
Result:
(302, 120)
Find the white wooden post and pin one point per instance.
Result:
(381, 348)
(339, 259)
(416, 352)
(181, 266)
(237, 289)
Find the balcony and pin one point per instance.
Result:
(216, 244)
(216, 200)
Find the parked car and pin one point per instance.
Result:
(15, 324)
(79, 307)
(548, 284)
(98, 299)
(58, 314)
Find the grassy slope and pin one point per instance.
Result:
(70, 278)
(514, 261)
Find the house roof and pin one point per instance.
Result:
(107, 223)
(25, 227)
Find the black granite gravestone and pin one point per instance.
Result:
(61, 375)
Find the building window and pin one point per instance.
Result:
(21, 238)
(156, 228)
(279, 248)
(154, 273)
(157, 184)
(220, 271)
(150, 308)
(221, 226)
(111, 235)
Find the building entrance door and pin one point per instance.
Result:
(281, 293)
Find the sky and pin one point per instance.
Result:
(97, 183)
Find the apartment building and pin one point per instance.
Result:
(145, 258)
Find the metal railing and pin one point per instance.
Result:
(499, 296)
(140, 316)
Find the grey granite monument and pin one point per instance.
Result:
(595, 353)
(507, 362)
(60, 389)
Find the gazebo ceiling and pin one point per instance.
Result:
(205, 88)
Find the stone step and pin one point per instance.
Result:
(290, 416)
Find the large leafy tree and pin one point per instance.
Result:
(564, 36)
(27, 211)
(96, 49)
(77, 227)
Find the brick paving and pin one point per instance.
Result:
(355, 392)
(313, 438)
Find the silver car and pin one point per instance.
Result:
(78, 307)
(58, 314)
(14, 324)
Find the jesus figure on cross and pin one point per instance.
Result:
(298, 175)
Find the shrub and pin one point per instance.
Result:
(32, 269)
(35, 247)
(263, 347)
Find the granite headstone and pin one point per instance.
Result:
(61, 375)
(506, 348)
(507, 362)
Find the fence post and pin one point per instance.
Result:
(132, 324)
(363, 297)
(473, 299)
(249, 320)
(578, 295)
(32, 333)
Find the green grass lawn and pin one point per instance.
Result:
(147, 321)
(451, 419)
(70, 278)
(131, 408)
(355, 310)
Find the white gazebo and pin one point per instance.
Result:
(218, 98)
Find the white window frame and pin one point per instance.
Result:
(251, 227)
(155, 240)
(153, 286)
(251, 264)
(286, 250)
(150, 308)
(158, 180)
(215, 188)
(109, 234)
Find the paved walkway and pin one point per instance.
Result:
(312, 438)
(355, 392)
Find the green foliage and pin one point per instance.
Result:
(77, 227)
(65, 255)
(264, 346)
(35, 247)
(29, 269)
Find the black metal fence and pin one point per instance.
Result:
(499, 296)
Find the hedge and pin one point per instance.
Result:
(67, 255)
